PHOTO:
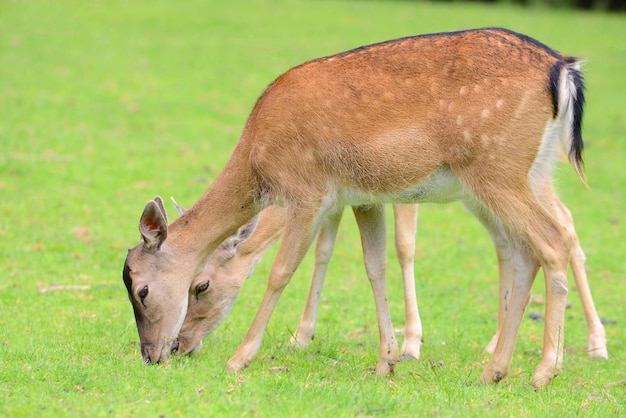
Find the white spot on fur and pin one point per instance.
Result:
(459, 120)
(499, 103)
(467, 135)
(462, 90)
(485, 113)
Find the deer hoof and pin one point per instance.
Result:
(491, 378)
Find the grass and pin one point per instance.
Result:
(105, 104)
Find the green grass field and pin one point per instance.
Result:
(103, 105)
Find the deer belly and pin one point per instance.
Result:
(441, 186)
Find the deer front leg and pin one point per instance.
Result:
(405, 217)
(323, 251)
(371, 222)
(299, 232)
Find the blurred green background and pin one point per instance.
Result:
(104, 104)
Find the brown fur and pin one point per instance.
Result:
(236, 258)
(466, 115)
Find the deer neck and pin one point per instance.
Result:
(225, 206)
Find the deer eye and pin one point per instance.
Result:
(202, 287)
(142, 295)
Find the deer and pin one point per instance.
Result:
(482, 116)
(215, 290)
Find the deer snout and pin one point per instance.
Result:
(175, 346)
(188, 344)
(145, 353)
(153, 355)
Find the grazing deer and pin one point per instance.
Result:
(215, 290)
(480, 116)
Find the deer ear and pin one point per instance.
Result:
(245, 231)
(153, 224)
(161, 206)
(181, 210)
(231, 243)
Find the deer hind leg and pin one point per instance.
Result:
(553, 247)
(506, 272)
(405, 217)
(323, 251)
(595, 330)
(371, 222)
(555, 255)
(520, 209)
(524, 266)
(520, 269)
(302, 223)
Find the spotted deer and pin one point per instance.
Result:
(215, 290)
(480, 116)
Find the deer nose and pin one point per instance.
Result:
(175, 346)
(145, 353)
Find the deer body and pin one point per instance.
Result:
(480, 115)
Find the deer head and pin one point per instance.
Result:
(152, 285)
(214, 291)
